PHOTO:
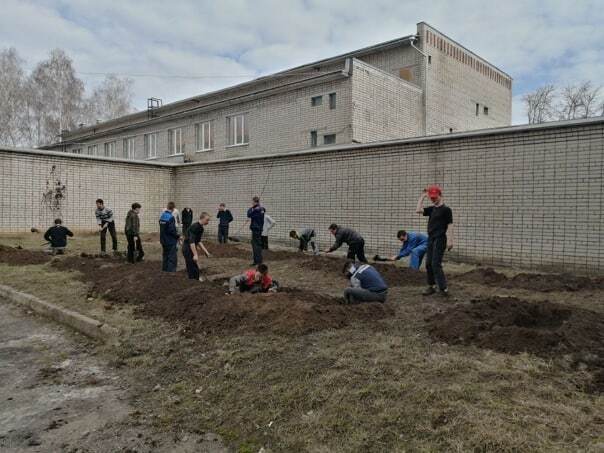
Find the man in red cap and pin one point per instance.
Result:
(440, 219)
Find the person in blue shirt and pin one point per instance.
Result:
(414, 244)
(256, 216)
(366, 284)
(168, 237)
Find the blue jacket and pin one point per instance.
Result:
(256, 216)
(413, 241)
(168, 235)
(367, 277)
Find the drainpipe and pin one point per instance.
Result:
(412, 40)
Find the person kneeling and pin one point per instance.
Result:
(57, 238)
(366, 284)
(254, 280)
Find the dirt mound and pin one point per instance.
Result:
(511, 325)
(535, 282)
(204, 307)
(21, 257)
(394, 275)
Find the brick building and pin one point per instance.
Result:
(421, 84)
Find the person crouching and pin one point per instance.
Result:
(366, 284)
(254, 280)
(57, 238)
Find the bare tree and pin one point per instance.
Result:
(112, 99)
(540, 104)
(12, 102)
(579, 101)
(55, 97)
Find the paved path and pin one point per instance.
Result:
(55, 395)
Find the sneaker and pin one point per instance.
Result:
(428, 291)
(202, 279)
(443, 292)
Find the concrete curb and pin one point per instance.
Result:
(83, 324)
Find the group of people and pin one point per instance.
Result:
(366, 283)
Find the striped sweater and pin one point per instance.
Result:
(104, 215)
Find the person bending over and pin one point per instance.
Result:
(305, 237)
(414, 244)
(366, 284)
(356, 243)
(192, 245)
(254, 280)
(57, 237)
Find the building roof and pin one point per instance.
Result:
(197, 101)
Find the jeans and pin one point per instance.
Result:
(111, 227)
(192, 266)
(169, 259)
(417, 255)
(434, 260)
(357, 249)
(223, 234)
(359, 295)
(134, 245)
(264, 242)
(257, 246)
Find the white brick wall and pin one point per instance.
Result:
(528, 196)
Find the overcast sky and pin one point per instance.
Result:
(224, 42)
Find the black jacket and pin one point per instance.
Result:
(225, 217)
(186, 216)
(348, 236)
(57, 235)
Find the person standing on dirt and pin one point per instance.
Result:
(254, 280)
(187, 220)
(192, 245)
(366, 284)
(414, 244)
(356, 243)
(256, 216)
(305, 237)
(169, 238)
(440, 219)
(269, 223)
(132, 231)
(104, 219)
(224, 217)
(57, 237)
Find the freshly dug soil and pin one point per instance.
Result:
(511, 325)
(21, 257)
(204, 307)
(394, 275)
(534, 282)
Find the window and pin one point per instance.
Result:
(429, 59)
(151, 145)
(316, 100)
(329, 139)
(237, 130)
(332, 101)
(204, 136)
(129, 148)
(77, 151)
(313, 139)
(485, 110)
(477, 109)
(175, 143)
(110, 149)
(92, 150)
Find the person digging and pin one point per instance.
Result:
(440, 238)
(192, 246)
(414, 244)
(305, 237)
(254, 281)
(366, 284)
(57, 238)
(356, 243)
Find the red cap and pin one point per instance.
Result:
(434, 191)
